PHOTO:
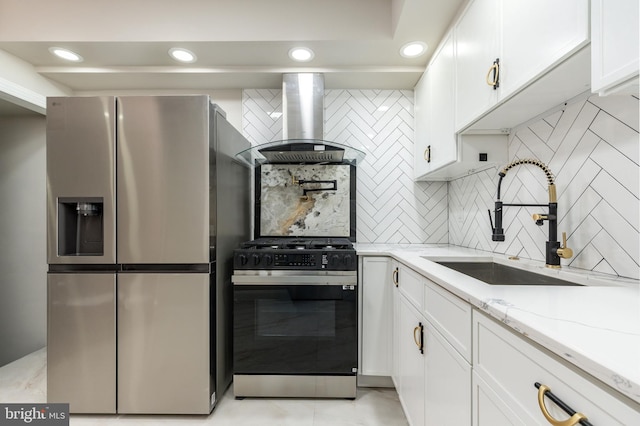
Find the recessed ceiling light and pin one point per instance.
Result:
(182, 55)
(65, 54)
(301, 54)
(413, 49)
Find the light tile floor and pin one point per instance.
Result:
(24, 381)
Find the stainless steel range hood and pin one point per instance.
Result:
(303, 128)
(303, 106)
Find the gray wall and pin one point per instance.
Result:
(22, 236)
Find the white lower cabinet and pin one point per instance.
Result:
(411, 362)
(447, 385)
(395, 326)
(376, 311)
(488, 408)
(506, 368)
(454, 365)
(433, 379)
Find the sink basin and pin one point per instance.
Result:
(499, 274)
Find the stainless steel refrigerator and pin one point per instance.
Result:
(145, 205)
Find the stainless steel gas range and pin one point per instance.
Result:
(295, 318)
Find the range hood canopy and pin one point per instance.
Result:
(301, 151)
(303, 128)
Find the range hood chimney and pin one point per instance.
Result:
(302, 128)
(303, 106)
(303, 123)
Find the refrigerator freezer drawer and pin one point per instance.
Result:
(81, 346)
(164, 344)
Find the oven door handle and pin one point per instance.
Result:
(295, 280)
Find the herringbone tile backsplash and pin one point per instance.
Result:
(591, 146)
(390, 206)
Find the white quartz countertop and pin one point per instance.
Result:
(595, 326)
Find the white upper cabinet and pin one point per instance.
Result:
(614, 46)
(528, 40)
(538, 34)
(477, 44)
(435, 140)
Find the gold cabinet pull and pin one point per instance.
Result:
(571, 421)
(495, 68)
(395, 277)
(418, 340)
(427, 154)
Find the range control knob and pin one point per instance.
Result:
(242, 259)
(348, 260)
(268, 259)
(334, 260)
(255, 259)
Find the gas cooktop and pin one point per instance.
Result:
(298, 244)
(331, 254)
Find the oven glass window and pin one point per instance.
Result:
(305, 329)
(302, 318)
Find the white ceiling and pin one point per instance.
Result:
(239, 43)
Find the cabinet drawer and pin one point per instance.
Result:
(451, 315)
(510, 366)
(411, 284)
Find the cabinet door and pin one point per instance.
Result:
(447, 382)
(395, 326)
(376, 314)
(477, 46)
(411, 363)
(488, 408)
(614, 44)
(422, 125)
(434, 111)
(536, 35)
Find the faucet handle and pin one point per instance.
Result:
(539, 218)
(564, 251)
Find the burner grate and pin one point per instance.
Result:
(299, 244)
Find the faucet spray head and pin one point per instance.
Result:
(553, 198)
(533, 161)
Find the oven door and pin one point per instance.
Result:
(288, 323)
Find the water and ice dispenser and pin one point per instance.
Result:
(80, 226)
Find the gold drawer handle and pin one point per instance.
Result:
(571, 421)
(395, 277)
(416, 328)
(419, 341)
(427, 154)
(495, 81)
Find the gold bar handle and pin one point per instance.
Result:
(427, 154)
(491, 68)
(416, 328)
(564, 251)
(419, 341)
(571, 421)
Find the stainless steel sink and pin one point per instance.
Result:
(499, 274)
